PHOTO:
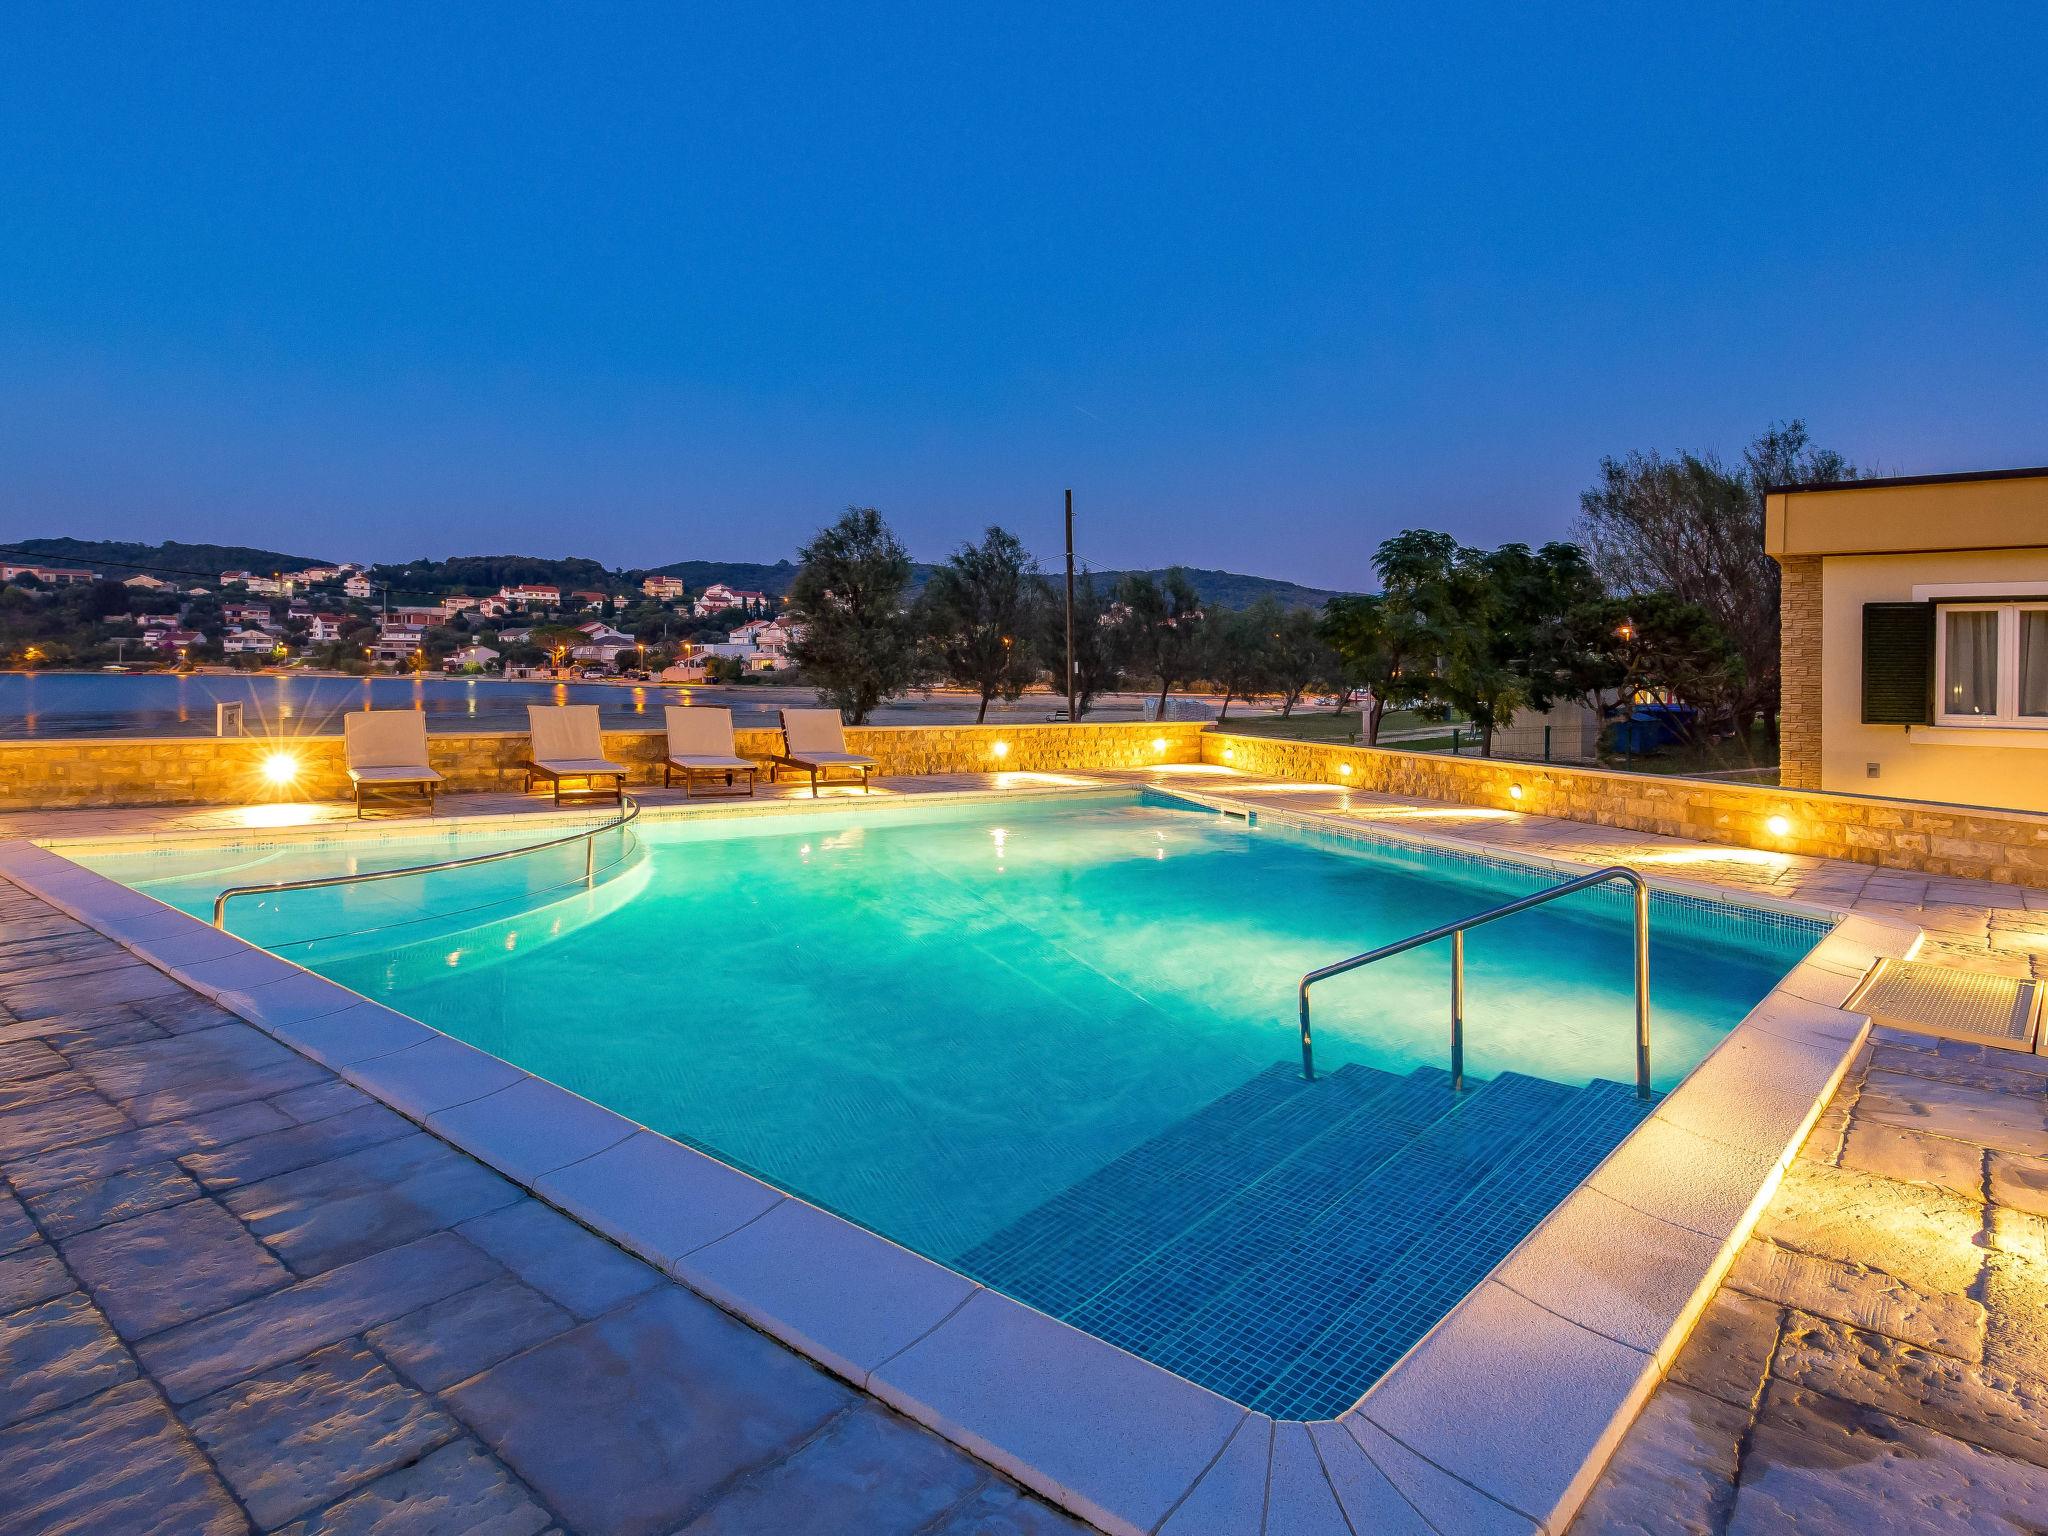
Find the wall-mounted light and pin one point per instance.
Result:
(1158, 743)
(1514, 791)
(1345, 769)
(1778, 826)
(280, 767)
(1230, 754)
(1001, 749)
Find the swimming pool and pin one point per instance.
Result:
(1050, 1042)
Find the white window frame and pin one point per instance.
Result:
(2008, 716)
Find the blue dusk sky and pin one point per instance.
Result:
(1262, 283)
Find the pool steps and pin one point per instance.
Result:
(1287, 1243)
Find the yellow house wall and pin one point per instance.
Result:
(1911, 763)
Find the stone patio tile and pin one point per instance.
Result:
(839, 1293)
(559, 1258)
(459, 1490)
(84, 959)
(135, 1149)
(214, 1352)
(1229, 1497)
(2009, 1122)
(659, 1198)
(450, 1341)
(32, 1274)
(55, 1353)
(1993, 1071)
(532, 1128)
(1947, 1321)
(1002, 1510)
(1730, 1347)
(2019, 1182)
(266, 1156)
(1111, 1436)
(1552, 1392)
(1994, 1409)
(125, 1071)
(868, 1471)
(1444, 1502)
(117, 1462)
(1818, 1465)
(1674, 1473)
(31, 1092)
(1608, 1267)
(69, 1031)
(355, 1033)
(71, 1209)
(425, 1079)
(45, 1127)
(16, 1230)
(363, 1202)
(24, 1059)
(296, 1437)
(167, 1267)
(182, 1012)
(1912, 1157)
(1923, 1236)
(682, 1397)
(198, 1097)
(321, 1101)
(1299, 1498)
(74, 994)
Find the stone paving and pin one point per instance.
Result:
(238, 1295)
(1878, 1357)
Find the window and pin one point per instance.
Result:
(1991, 666)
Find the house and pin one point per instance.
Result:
(450, 606)
(1914, 636)
(600, 633)
(262, 586)
(168, 638)
(531, 596)
(313, 574)
(358, 585)
(493, 607)
(147, 584)
(469, 658)
(606, 651)
(246, 613)
(418, 618)
(770, 640)
(397, 643)
(587, 599)
(323, 628)
(667, 589)
(719, 598)
(515, 636)
(48, 575)
(248, 642)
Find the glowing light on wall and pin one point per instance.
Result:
(280, 767)
(1778, 826)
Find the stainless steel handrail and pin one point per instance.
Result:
(1455, 932)
(588, 834)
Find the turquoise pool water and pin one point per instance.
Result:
(1020, 1036)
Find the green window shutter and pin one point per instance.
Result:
(1898, 663)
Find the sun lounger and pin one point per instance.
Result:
(567, 743)
(387, 749)
(700, 742)
(814, 742)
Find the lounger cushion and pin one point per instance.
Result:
(394, 776)
(811, 733)
(385, 738)
(577, 767)
(567, 733)
(832, 759)
(699, 730)
(701, 760)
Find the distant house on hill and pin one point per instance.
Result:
(48, 575)
(469, 657)
(667, 589)
(719, 598)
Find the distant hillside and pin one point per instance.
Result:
(1228, 589)
(487, 573)
(169, 559)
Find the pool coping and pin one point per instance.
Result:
(1500, 1418)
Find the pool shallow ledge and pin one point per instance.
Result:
(1500, 1418)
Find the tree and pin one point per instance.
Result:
(1161, 624)
(1694, 527)
(1241, 646)
(1098, 639)
(857, 646)
(1391, 644)
(1299, 659)
(979, 613)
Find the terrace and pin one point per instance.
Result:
(254, 1282)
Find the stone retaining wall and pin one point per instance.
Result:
(2006, 846)
(41, 775)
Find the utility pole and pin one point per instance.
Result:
(1073, 710)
